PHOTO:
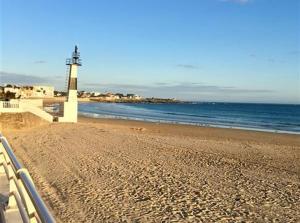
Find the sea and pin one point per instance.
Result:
(281, 118)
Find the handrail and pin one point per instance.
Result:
(15, 163)
(7, 104)
(22, 174)
(16, 183)
(21, 207)
(19, 197)
(38, 203)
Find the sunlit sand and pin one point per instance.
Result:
(112, 170)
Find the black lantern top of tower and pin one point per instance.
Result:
(75, 58)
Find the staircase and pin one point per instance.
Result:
(38, 112)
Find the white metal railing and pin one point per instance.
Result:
(7, 104)
(23, 193)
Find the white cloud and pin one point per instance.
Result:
(27, 79)
(187, 66)
(40, 61)
(162, 89)
(237, 1)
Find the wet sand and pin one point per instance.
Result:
(102, 170)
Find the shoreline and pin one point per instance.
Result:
(110, 117)
(255, 126)
(199, 131)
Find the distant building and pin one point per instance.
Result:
(14, 89)
(95, 94)
(58, 94)
(120, 95)
(29, 91)
(84, 94)
(111, 97)
(134, 96)
(43, 91)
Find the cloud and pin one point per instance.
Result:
(268, 59)
(271, 60)
(40, 61)
(161, 83)
(187, 66)
(14, 78)
(237, 1)
(117, 87)
(294, 52)
(25, 79)
(185, 89)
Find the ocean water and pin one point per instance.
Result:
(263, 117)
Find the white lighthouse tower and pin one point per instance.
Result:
(71, 105)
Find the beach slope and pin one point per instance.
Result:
(126, 171)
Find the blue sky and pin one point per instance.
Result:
(205, 50)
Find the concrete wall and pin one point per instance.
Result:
(70, 112)
(33, 106)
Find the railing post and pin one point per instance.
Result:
(34, 203)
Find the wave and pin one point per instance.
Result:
(191, 115)
(95, 115)
(275, 118)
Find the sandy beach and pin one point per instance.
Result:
(102, 170)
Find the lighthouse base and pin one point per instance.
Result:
(70, 112)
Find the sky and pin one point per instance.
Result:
(199, 50)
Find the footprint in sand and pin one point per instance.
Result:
(138, 129)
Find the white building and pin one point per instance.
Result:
(13, 89)
(30, 91)
(43, 92)
(95, 94)
(134, 96)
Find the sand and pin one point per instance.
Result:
(126, 171)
